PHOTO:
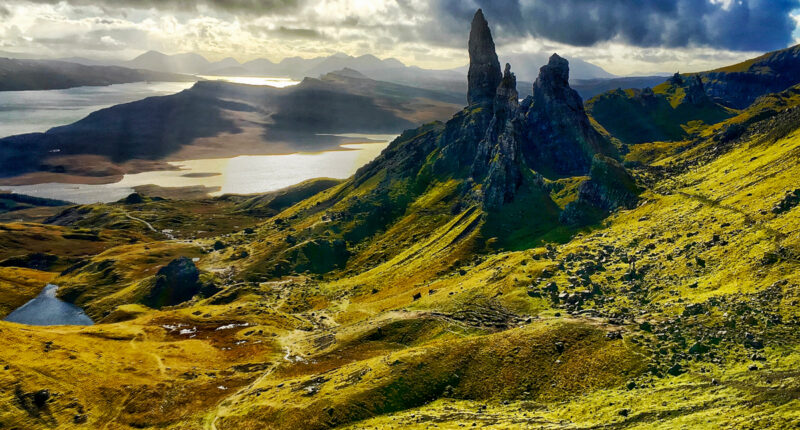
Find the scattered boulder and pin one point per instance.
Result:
(693, 309)
(675, 370)
(791, 200)
(175, 283)
(698, 348)
(40, 398)
(133, 199)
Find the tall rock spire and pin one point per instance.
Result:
(506, 99)
(559, 139)
(498, 158)
(484, 68)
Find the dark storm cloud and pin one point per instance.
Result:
(254, 7)
(301, 33)
(746, 25)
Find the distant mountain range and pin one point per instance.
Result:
(27, 74)
(297, 68)
(19, 75)
(587, 78)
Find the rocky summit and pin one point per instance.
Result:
(484, 69)
(547, 135)
(559, 139)
(631, 261)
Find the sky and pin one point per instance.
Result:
(625, 37)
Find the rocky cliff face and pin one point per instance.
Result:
(498, 155)
(498, 149)
(549, 133)
(740, 85)
(695, 93)
(558, 139)
(611, 187)
(484, 68)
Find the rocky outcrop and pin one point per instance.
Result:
(558, 139)
(610, 188)
(676, 80)
(695, 94)
(506, 99)
(638, 116)
(498, 154)
(740, 85)
(175, 283)
(484, 68)
(315, 256)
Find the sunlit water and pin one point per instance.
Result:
(254, 80)
(246, 174)
(38, 111)
(47, 309)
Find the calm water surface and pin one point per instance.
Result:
(47, 309)
(238, 175)
(38, 111)
(253, 80)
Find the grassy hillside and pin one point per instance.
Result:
(663, 114)
(738, 85)
(681, 312)
(399, 299)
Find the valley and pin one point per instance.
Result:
(629, 261)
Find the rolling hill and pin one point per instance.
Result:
(515, 266)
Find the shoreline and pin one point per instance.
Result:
(94, 163)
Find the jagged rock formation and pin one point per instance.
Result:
(508, 145)
(506, 100)
(549, 133)
(498, 153)
(558, 138)
(484, 68)
(611, 187)
(175, 283)
(738, 86)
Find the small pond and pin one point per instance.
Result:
(47, 309)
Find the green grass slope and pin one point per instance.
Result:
(638, 116)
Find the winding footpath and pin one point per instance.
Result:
(150, 226)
